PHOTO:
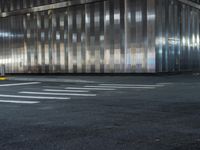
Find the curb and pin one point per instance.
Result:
(3, 78)
(50, 80)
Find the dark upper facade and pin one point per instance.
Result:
(196, 1)
(12, 5)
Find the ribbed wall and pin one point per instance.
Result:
(177, 37)
(102, 37)
(13, 5)
(111, 36)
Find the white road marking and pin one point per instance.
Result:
(92, 89)
(19, 84)
(165, 83)
(133, 85)
(19, 102)
(61, 94)
(55, 87)
(73, 91)
(34, 97)
(120, 87)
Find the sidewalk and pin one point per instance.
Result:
(65, 79)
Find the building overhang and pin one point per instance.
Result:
(70, 3)
(190, 3)
(48, 7)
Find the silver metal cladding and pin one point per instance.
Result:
(99, 36)
(177, 36)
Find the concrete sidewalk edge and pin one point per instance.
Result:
(49, 80)
(3, 78)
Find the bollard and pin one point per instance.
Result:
(2, 70)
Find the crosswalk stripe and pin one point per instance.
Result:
(92, 89)
(19, 102)
(34, 97)
(54, 87)
(59, 94)
(133, 85)
(19, 84)
(73, 91)
(169, 83)
(120, 87)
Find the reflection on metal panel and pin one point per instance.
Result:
(111, 36)
(139, 36)
(177, 37)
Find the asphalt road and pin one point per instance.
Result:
(101, 113)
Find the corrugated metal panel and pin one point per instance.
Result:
(113, 36)
(177, 37)
(88, 38)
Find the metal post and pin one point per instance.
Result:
(2, 70)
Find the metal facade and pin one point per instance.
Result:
(177, 37)
(12, 5)
(108, 36)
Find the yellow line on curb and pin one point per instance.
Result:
(3, 78)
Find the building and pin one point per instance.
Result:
(99, 36)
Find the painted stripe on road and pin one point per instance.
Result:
(92, 89)
(34, 97)
(19, 84)
(73, 91)
(169, 83)
(55, 87)
(133, 85)
(59, 94)
(19, 102)
(120, 87)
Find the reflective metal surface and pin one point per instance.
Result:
(13, 7)
(177, 37)
(106, 36)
